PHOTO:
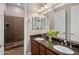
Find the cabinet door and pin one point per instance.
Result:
(34, 48)
(42, 52)
(48, 52)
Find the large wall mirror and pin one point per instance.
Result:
(43, 23)
(59, 22)
(38, 23)
(75, 23)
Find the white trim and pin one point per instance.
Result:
(29, 53)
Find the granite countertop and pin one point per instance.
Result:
(48, 45)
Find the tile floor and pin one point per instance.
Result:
(14, 48)
(13, 44)
(15, 51)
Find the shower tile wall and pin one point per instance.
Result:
(13, 28)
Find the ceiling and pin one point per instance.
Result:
(33, 7)
(21, 5)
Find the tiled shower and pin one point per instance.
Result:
(14, 27)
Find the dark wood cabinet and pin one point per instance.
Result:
(38, 49)
(35, 48)
(48, 52)
(42, 50)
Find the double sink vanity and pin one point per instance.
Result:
(40, 46)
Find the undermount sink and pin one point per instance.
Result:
(38, 39)
(63, 49)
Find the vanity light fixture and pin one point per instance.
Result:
(18, 4)
(49, 10)
(39, 10)
(43, 8)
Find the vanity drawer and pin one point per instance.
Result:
(42, 48)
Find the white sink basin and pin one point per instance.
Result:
(38, 39)
(63, 49)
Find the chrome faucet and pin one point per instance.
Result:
(65, 41)
(70, 40)
(43, 36)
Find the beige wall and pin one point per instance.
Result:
(14, 11)
(30, 9)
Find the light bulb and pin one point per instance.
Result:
(45, 7)
(18, 3)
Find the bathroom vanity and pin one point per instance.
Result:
(39, 49)
(43, 47)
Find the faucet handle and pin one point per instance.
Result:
(65, 42)
(62, 43)
(70, 42)
(70, 45)
(68, 39)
